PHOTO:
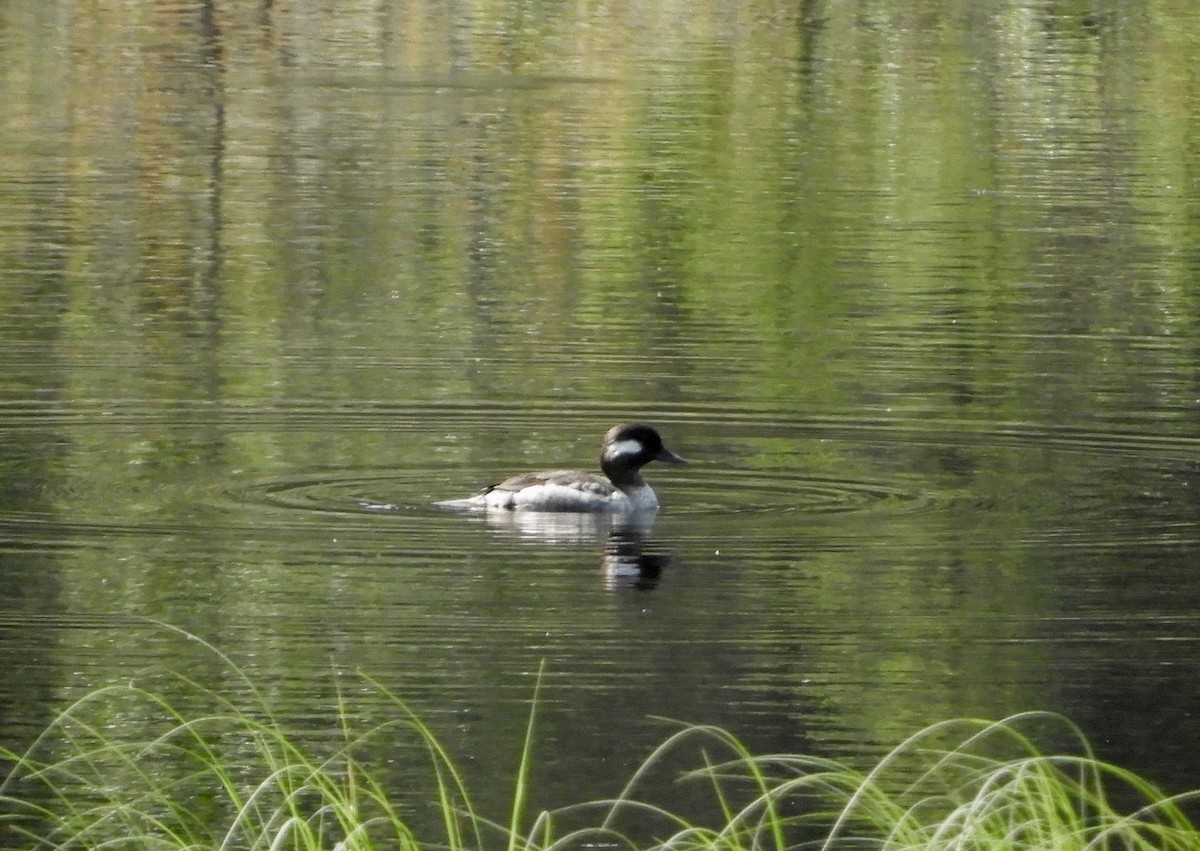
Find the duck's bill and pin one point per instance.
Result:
(669, 457)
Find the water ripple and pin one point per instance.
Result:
(554, 415)
(370, 493)
(765, 466)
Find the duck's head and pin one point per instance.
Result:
(629, 447)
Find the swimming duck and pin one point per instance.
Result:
(625, 450)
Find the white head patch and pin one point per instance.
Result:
(625, 448)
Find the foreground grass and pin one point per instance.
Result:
(235, 779)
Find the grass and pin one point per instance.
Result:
(234, 778)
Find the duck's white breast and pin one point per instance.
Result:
(641, 498)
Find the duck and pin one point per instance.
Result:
(622, 490)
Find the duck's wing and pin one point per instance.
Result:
(572, 479)
(554, 490)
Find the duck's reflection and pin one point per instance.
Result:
(628, 563)
(628, 560)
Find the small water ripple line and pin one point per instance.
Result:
(450, 417)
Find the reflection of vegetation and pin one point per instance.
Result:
(236, 778)
(231, 246)
(912, 204)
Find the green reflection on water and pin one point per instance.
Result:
(912, 247)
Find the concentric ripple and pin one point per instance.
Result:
(1064, 484)
(341, 492)
(373, 492)
(754, 491)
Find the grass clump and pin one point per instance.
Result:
(994, 788)
(234, 778)
(228, 778)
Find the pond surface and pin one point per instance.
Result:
(914, 286)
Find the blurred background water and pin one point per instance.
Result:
(914, 285)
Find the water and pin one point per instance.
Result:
(913, 288)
